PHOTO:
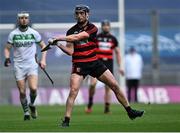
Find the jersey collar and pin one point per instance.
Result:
(83, 27)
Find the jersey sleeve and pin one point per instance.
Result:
(38, 37)
(92, 30)
(115, 42)
(69, 32)
(10, 38)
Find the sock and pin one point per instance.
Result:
(106, 109)
(26, 113)
(66, 119)
(128, 108)
(33, 95)
(24, 104)
(90, 104)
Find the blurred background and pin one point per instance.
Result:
(151, 26)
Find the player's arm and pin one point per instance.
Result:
(43, 57)
(89, 32)
(73, 37)
(7, 50)
(118, 59)
(68, 49)
(118, 56)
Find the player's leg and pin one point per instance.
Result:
(20, 76)
(109, 80)
(107, 99)
(75, 82)
(136, 85)
(33, 83)
(92, 87)
(107, 96)
(129, 88)
(22, 95)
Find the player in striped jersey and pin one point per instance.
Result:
(81, 45)
(107, 45)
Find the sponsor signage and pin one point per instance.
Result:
(146, 94)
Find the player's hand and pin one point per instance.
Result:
(52, 41)
(121, 71)
(42, 64)
(7, 62)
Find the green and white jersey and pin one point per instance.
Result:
(24, 44)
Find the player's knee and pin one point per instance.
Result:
(114, 86)
(32, 87)
(73, 92)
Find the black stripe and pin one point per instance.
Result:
(85, 56)
(104, 53)
(85, 48)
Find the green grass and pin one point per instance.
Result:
(157, 118)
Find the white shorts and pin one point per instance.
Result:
(22, 72)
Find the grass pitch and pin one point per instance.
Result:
(157, 118)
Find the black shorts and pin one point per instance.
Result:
(132, 83)
(94, 68)
(108, 64)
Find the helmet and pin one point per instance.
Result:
(23, 14)
(105, 22)
(20, 15)
(85, 8)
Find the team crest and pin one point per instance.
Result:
(78, 69)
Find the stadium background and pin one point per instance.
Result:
(138, 30)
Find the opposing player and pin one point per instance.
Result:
(23, 40)
(81, 45)
(107, 45)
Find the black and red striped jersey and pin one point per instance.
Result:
(106, 44)
(84, 50)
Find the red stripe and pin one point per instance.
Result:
(84, 45)
(100, 56)
(84, 53)
(92, 30)
(85, 60)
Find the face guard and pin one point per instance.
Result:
(82, 8)
(21, 15)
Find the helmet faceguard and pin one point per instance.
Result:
(82, 8)
(21, 15)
